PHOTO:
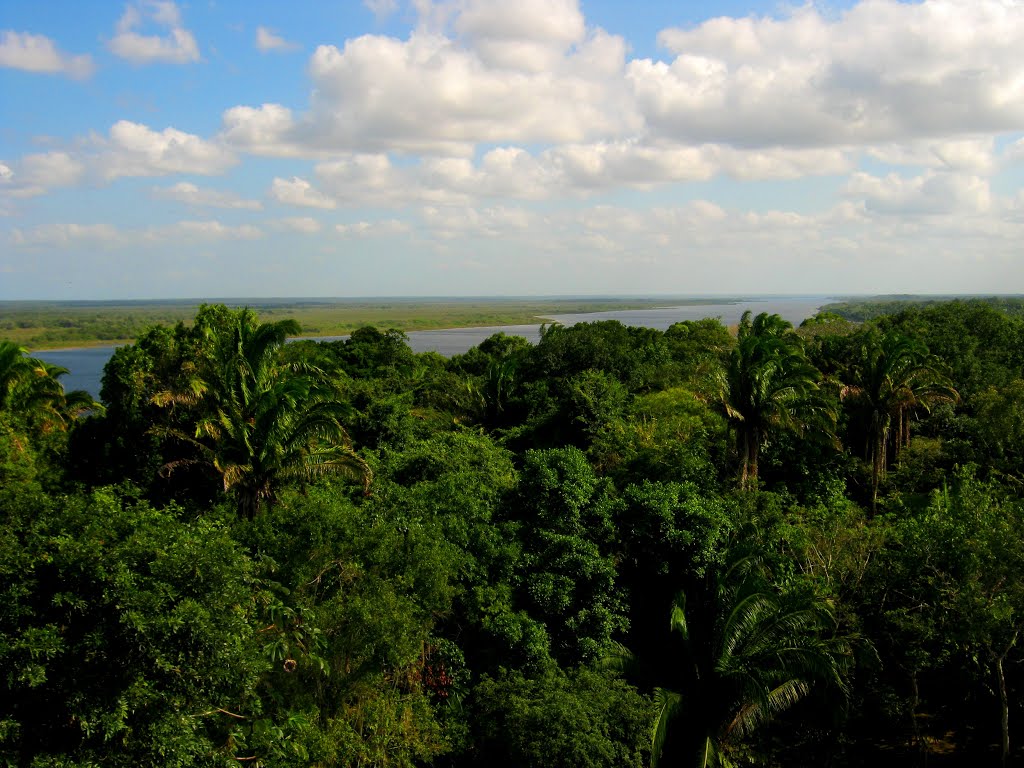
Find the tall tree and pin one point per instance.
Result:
(747, 652)
(769, 384)
(31, 390)
(258, 422)
(893, 376)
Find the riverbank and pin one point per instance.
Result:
(53, 326)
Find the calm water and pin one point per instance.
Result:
(86, 365)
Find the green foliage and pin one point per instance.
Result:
(699, 348)
(127, 635)
(770, 385)
(353, 638)
(748, 650)
(957, 597)
(672, 435)
(569, 573)
(892, 375)
(532, 507)
(583, 719)
(255, 422)
(638, 357)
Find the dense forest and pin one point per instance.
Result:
(770, 546)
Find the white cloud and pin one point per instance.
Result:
(507, 75)
(190, 194)
(432, 94)
(969, 155)
(134, 149)
(202, 231)
(453, 223)
(70, 235)
(267, 41)
(175, 46)
(263, 130)
(1015, 151)
(63, 235)
(931, 193)
(881, 71)
(381, 8)
(385, 228)
(531, 35)
(305, 225)
(300, 193)
(38, 53)
(52, 169)
(567, 170)
(37, 174)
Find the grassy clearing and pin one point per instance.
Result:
(49, 325)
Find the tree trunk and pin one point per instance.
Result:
(755, 453)
(749, 450)
(877, 457)
(1004, 711)
(248, 504)
(744, 451)
(914, 701)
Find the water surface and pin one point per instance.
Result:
(86, 365)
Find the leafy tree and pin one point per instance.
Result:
(127, 637)
(568, 575)
(892, 376)
(30, 389)
(953, 579)
(257, 422)
(748, 651)
(580, 719)
(354, 635)
(700, 348)
(770, 385)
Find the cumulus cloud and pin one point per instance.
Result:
(567, 170)
(175, 45)
(381, 8)
(385, 228)
(300, 193)
(267, 41)
(531, 35)
(202, 231)
(38, 53)
(497, 74)
(63, 235)
(968, 155)
(190, 194)
(38, 173)
(263, 130)
(305, 225)
(68, 235)
(133, 149)
(928, 194)
(881, 71)
(756, 97)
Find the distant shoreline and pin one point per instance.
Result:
(40, 325)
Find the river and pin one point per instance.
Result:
(85, 365)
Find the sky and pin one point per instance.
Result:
(220, 148)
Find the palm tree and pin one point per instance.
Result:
(892, 377)
(747, 653)
(31, 389)
(769, 384)
(257, 422)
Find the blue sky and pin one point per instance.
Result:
(473, 147)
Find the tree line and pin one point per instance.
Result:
(617, 547)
